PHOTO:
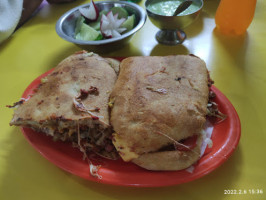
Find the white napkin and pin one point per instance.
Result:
(10, 13)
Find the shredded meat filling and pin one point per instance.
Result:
(212, 107)
(77, 102)
(87, 139)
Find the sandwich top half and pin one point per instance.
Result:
(157, 102)
(54, 99)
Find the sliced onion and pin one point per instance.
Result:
(94, 171)
(190, 169)
(206, 134)
(209, 142)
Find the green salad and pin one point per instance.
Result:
(93, 25)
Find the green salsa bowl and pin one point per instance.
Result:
(160, 14)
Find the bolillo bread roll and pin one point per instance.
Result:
(157, 104)
(71, 103)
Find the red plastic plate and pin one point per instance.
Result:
(225, 138)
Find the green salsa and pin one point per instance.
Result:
(168, 7)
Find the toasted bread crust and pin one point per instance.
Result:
(53, 101)
(157, 100)
(169, 160)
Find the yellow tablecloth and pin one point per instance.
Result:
(238, 66)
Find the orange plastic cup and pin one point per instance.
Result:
(234, 16)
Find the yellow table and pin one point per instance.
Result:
(238, 66)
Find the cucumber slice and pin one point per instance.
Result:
(101, 13)
(87, 33)
(129, 23)
(96, 25)
(100, 37)
(79, 23)
(122, 12)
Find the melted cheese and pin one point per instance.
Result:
(123, 149)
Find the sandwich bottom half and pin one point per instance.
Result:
(171, 160)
